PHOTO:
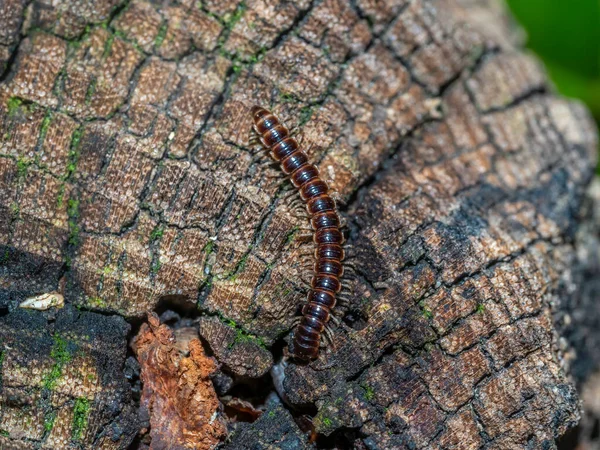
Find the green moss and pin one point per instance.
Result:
(306, 113)
(287, 97)
(73, 153)
(271, 413)
(73, 208)
(73, 214)
(208, 248)
(258, 56)
(14, 106)
(426, 312)
(108, 45)
(480, 308)
(15, 210)
(239, 268)
(49, 420)
(61, 196)
(235, 16)
(160, 36)
(81, 412)
(91, 90)
(156, 265)
(97, 302)
(369, 392)
(291, 234)
(326, 421)
(22, 167)
(45, 125)
(281, 290)
(4, 257)
(157, 233)
(61, 356)
(4, 433)
(242, 335)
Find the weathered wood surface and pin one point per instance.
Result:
(578, 322)
(126, 178)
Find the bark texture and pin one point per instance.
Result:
(127, 180)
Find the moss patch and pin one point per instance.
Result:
(242, 335)
(160, 36)
(157, 233)
(49, 420)
(81, 412)
(369, 392)
(61, 356)
(97, 302)
(73, 153)
(235, 17)
(5, 256)
(73, 214)
(14, 105)
(22, 167)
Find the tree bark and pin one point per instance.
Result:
(127, 184)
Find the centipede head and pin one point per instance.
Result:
(258, 112)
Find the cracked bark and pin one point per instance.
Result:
(126, 178)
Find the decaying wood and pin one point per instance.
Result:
(178, 396)
(127, 182)
(578, 322)
(62, 381)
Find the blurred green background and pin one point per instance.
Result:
(565, 34)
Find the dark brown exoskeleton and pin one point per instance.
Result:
(329, 253)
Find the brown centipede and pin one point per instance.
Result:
(325, 221)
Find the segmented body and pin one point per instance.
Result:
(329, 253)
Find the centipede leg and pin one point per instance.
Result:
(307, 251)
(337, 322)
(305, 278)
(328, 337)
(305, 284)
(299, 213)
(295, 203)
(258, 157)
(351, 273)
(274, 175)
(297, 134)
(287, 194)
(339, 200)
(343, 301)
(304, 237)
